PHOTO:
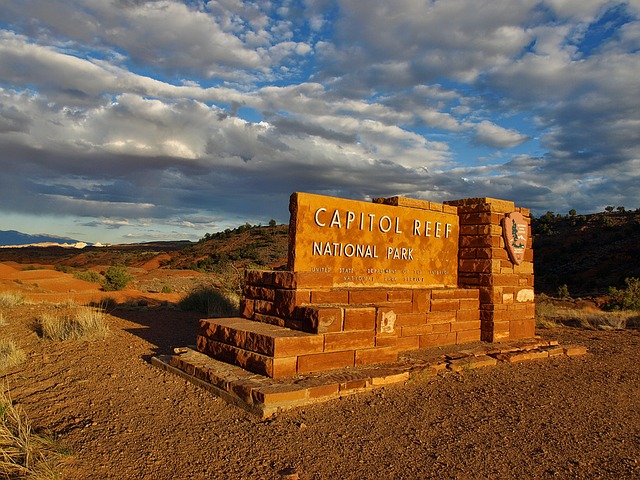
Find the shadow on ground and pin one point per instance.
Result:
(163, 328)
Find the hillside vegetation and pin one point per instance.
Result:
(587, 253)
(582, 255)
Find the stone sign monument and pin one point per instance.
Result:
(364, 244)
(366, 280)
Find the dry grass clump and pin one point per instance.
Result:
(212, 301)
(549, 315)
(80, 323)
(11, 299)
(24, 454)
(10, 354)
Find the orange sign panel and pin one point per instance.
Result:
(373, 244)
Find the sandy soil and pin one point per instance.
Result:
(124, 419)
(45, 284)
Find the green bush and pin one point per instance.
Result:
(626, 298)
(116, 278)
(89, 276)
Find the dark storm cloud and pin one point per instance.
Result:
(172, 115)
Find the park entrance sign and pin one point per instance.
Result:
(374, 244)
(367, 280)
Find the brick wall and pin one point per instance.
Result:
(403, 318)
(507, 308)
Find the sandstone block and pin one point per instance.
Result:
(386, 341)
(400, 296)
(574, 350)
(462, 326)
(421, 300)
(284, 279)
(330, 296)
(467, 336)
(471, 362)
(263, 306)
(405, 319)
(441, 317)
(413, 330)
(319, 391)
(355, 384)
(270, 319)
(437, 340)
(408, 342)
(325, 361)
(259, 293)
(442, 327)
(390, 379)
(360, 318)
(258, 277)
(349, 340)
(376, 355)
(321, 319)
(525, 328)
(278, 394)
(464, 316)
(286, 301)
(366, 297)
(554, 350)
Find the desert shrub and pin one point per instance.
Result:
(82, 323)
(166, 289)
(11, 299)
(68, 303)
(211, 301)
(63, 268)
(107, 304)
(23, 453)
(545, 315)
(563, 291)
(89, 276)
(10, 354)
(626, 298)
(116, 278)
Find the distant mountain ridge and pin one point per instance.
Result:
(13, 237)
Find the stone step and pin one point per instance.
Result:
(276, 351)
(251, 361)
(266, 396)
(261, 338)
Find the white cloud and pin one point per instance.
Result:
(492, 135)
(170, 111)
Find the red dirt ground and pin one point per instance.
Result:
(125, 419)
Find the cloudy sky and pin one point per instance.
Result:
(134, 120)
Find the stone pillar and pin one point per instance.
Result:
(507, 306)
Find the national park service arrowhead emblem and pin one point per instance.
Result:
(515, 232)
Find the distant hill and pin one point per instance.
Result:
(13, 237)
(588, 253)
